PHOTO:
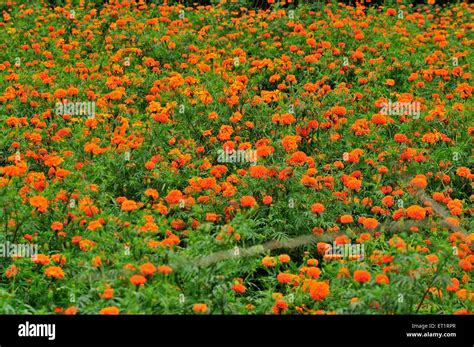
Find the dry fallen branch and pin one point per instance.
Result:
(392, 227)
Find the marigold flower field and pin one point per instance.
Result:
(172, 159)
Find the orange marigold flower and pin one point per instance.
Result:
(317, 230)
(72, 310)
(54, 272)
(416, 212)
(129, 205)
(247, 201)
(96, 261)
(60, 93)
(212, 217)
(96, 224)
(382, 279)
(370, 223)
(285, 278)
(322, 247)
(152, 193)
(40, 259)
(56, 226)
(138, 280)
(11, 271)
(269, 261)
(463, 172)
(39, 202)
(400, 138)
(419, 182)
(353, 183)
(239, 288)
(454, 286)
(280, 306)
(317, 208)
(312, 271)
(147, 269)
(343, 272)
(200, 308)
(267, 200)
(379, 119)
(462, 294)
(107, 294)
(362, 276)
(258, 171)
(165, 269)
(388, 201)
(174, 196)
(397, 242)
(290, 143)
(346, 218)
(110, 310)
(319, 291)
(465, 265)
(432, 258)
(391, 12)
(298, 158)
